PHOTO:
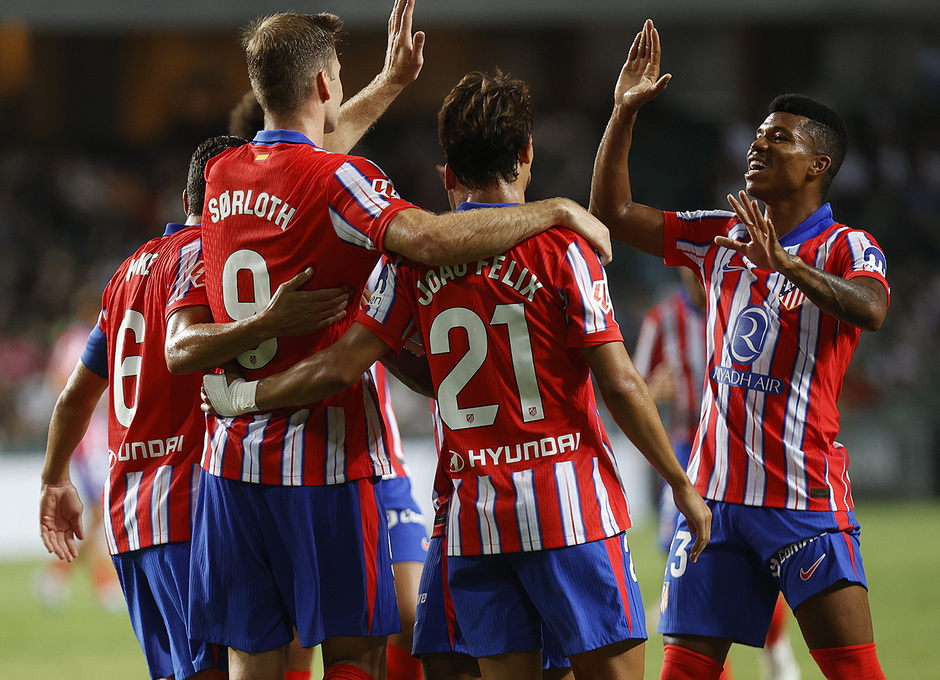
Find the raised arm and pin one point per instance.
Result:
(195, 343)
(861, 301)
(631, 405)
(457, 237)
(60, 508)
(404, 57)
(611, 197)
(321, 375)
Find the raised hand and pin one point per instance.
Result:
(404, 55)
(764, 249)
(639, 80)
(60, 520)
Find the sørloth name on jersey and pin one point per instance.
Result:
(264, 205)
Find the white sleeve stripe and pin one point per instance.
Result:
(594, 318)
(360, 188)
(347, 233)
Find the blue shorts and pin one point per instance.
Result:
(155, 581)
(586, 595)
(407, 531)
(754, 554)
(436, 627)
(267, 559)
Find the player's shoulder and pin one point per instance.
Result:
(703, 216)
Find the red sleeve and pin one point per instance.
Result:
(364, 200)
(583, 281)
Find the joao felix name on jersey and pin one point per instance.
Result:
(521, 439)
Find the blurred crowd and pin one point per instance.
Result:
(70, 213)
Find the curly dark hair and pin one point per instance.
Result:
(825, 127)
(485, 122)
(196, 181)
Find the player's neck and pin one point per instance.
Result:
(504, 192)
(306, 123)
(786, 215)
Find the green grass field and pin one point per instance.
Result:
(84, 642)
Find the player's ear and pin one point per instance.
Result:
(820, 166)
(323, 87)
(185, 202)
(527, 153)
(450, 179)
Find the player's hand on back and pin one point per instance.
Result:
(293, 312)
(580, 221)
(639, 80)
(698, 515)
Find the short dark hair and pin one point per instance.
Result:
(285, 52)
(196, 181)
(246, 117)
(826, 128)
(485, 122)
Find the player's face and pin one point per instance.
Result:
(780, 157)
(336, 96)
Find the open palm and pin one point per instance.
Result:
(639, 80)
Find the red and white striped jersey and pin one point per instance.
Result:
(673, 332)
(776, 363)
(273, 208)
(155, 426)
(523, 443)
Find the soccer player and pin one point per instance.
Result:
(670, 355)
(274, 208)
(788, 292)
(537, 514)
(154, 443)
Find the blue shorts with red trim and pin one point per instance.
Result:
(407, 531)
(586, 596)
(155, 581)
(436, 627)
(267, 559)
(754, 554)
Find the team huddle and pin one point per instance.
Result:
(283, 518)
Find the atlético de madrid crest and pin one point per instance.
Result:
(790, 296)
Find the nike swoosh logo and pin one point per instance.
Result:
(733, 268)
(806, 574)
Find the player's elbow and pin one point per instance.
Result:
(178, 361)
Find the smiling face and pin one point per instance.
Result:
(781, 159)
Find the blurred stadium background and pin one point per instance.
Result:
(102, 103)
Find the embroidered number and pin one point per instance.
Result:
(520, 349)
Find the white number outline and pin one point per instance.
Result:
(684, 538)
(513, 316)
(127, 366)
(253, 262)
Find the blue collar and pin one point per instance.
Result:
(468, 205)
(173, 227)
(811, 227)
(281, 137)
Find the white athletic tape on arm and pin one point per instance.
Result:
(230, 400)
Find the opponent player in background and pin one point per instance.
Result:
(274, 208)
(788, 290)
(537, 514)
(670, 355)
